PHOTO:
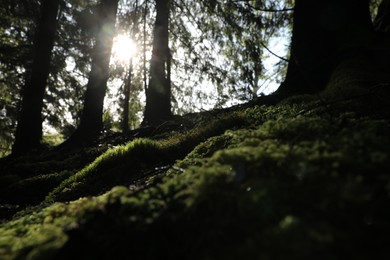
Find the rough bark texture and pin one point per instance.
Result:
(324, 32)
(365, 69)
(91, 121)
(158, 94)
(29, 129)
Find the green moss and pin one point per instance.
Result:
(296, 182)
(33, 190)
(125, 163)
(129, 154)
(53, 139)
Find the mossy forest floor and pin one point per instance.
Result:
(306, 178)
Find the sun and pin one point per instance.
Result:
(123, 49)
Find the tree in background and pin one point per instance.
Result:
(126, 99)
(91, 121)
(71, 62)
(29, 128)
(158, 93)
(17, 27)
(128, 85)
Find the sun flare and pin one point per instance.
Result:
(123, 48)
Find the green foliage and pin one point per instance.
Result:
(52, 139)
(223, 43)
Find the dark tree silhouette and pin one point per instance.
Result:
(324, 32)
(158, 94)
(91, 121)
(382, 20)
(29, 128)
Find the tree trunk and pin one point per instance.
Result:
(29, 128)
(158, 94)
(382, 20)
(127, 89)
(324, 32)
(91, 121)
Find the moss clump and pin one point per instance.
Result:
(103, 167)
(40, 234)
(53, 139)
(126, 163)
(34, 189)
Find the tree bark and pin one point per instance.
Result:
(158, 94)
(91, 121)
(29, 128)
(324, 32)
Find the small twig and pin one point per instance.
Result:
(274, 10)
(274, 54)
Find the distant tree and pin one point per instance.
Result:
(129, 83)
(17, 26)
(29, 128)
(158, 93)
(70, 66)
(126, 99)
(209, 35)
(91, 121)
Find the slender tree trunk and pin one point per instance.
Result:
(91, 121)
(127, 89)
(158, 94)
(128, 81)
(324, 32)
(144, 46)
(29, 128)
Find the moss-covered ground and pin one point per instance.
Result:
(308, 178)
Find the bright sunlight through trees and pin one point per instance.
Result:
(123, 49)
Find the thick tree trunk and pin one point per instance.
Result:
(324, 32)
(91, 121)
(158, 94)
(29, 128)
(382, 20)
